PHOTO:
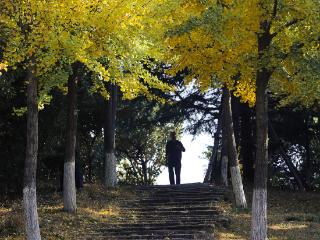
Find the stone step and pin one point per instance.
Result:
(198, 192)
(201, 193)
(164, 217)
(207, 212)
(127, 229)
(175, 222)
(155, 225)
(189, 193)
(185, 196)
(177, 189)
(168, 190)
(181, 200)
(167, 204)
(176, 235)
(170, 208)
(180, 186)
(221, 221)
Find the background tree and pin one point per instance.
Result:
(69, 186)
(110, 162)
(48, 36)
(232, 151)
(236, 47)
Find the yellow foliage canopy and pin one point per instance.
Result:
(113, 38)
(220, 41)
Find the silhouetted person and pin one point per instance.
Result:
(174, 149)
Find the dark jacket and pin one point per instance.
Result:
(174, 149)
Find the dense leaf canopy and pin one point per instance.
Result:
(219, 42)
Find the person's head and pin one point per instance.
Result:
(173, 135)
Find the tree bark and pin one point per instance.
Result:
(259, 198)
(213, 173)
(247, 147)
(224, 170)
(237, 185)
(69, 185)
(216, 176)
(110, 173)
(30, 168)
(235, 108)
(224, 151)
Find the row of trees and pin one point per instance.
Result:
(56, 41)
(248, 47)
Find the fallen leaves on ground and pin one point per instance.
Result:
(96, 206)
(291, 216)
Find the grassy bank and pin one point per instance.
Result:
(291, 216)
(96, 206)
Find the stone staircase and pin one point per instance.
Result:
(186, 211)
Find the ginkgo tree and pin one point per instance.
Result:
(48, 40)
(193, 46)
(249, 46)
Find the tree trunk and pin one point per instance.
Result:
(259, 198)
(293, 170)
(235, 109)
(224, 170)
(144, 172)
(237, 186)
(90, 158)
(308, 161)
(246, 141)
(213, 172)
(30, 168)
(69, 185)
(110, 173)
(216, 176)
(224, 151)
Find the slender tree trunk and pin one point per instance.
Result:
(235, 109)
(259, 198)
(90, 157)
(236, 179)
(134, 170)
(110, 173)
(69, 185)
(224, 170)
(293, 170)
(224, 151)
(144, 172)
(308, 161)
(207, 177)
(216, 176)
(30, 168)
(213, 172)
(308, 166)
(247, 146)
(90, 169)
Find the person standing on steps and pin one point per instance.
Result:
(174, 149)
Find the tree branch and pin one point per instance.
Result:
(288, 24)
